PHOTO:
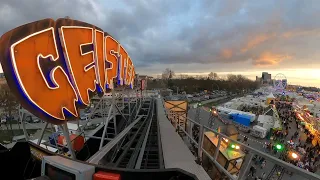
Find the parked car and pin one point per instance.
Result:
(84, 116)
(189, 96)
(36, 120)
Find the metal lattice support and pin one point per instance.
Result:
(211, 119)
(66, 134)
(195, 128)
(127, 109)
(195, 132)
(22, 116)
(197, 116)
(101, 109)
(107, 120)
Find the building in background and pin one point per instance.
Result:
(266, 78)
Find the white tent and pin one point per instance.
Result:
(270, 96)
(266, 121)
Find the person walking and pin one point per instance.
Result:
(265, 146)
(263, 164)
(252, 171)
(245, 139)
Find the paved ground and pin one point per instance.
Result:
(210, 100)
(252, 141)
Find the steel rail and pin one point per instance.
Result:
(144, 143)
(102, 152)
(128, 147)
(138, 148)
(124, 153)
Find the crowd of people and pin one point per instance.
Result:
(293, 138)
(257, 110)
(298, 142)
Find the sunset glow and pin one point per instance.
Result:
(199, 37)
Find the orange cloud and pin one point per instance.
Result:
(256, 41)
(226, 53)
(259, 39)
(269, 59)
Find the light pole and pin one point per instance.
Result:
(177, 89)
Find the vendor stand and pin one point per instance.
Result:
(311, 124)
(230, 155)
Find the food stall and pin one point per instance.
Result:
(311, 123)
(230, 155)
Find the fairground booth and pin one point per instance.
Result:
(230, 155)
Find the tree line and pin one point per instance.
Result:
(8, 106)
(232, 83)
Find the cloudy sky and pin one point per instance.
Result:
(197, 37)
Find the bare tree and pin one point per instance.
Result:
(232, 77)
(211, 75)
(215, 76)
(167, 74)
(183, 76)
(8, 102)
(191, 84)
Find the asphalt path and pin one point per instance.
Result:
(210, 100)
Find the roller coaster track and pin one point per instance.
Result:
(141, 148)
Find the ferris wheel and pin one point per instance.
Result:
(280, 81)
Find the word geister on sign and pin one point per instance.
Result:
(53, 67)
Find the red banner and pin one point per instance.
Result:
(143, 83)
